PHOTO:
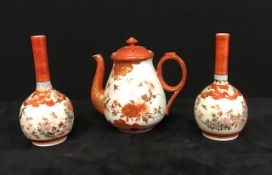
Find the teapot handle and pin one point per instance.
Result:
(176, 89)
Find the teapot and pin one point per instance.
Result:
(133, 99)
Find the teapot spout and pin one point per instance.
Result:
(97, 91)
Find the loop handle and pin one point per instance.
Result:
(176, 89)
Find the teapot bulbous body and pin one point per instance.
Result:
(134, 98)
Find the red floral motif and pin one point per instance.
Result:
(147, 83)
(134, 110)
(40, 97)
(122, 68)
(217, 91)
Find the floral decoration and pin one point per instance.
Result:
(134, 110)
(44, 97)
(217, 116)
(219, 91)
(46, 126)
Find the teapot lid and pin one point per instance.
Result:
(132, 52)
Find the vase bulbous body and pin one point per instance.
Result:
(220, 111)
(46, 117)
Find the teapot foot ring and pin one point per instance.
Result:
(135, 131)
(218, 137)
(50, 142)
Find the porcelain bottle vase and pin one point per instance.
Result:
(220, 109)
(46, 116)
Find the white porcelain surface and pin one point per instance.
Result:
(220, 111)
(134, 95)
(46, 115)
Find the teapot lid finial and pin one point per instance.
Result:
(132, 52)
(132, 41)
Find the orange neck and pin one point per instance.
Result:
(40, 58)
(221, 56)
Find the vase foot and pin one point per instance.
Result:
(50, 142)
(220, 137)
(135, 131)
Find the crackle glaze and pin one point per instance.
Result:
(220, 111)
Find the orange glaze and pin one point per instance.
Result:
(43, 97)
(40, 58)
(215, 91)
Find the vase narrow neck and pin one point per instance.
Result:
(40, 59)
(43, 85)
(220, 77)
(221, 56)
